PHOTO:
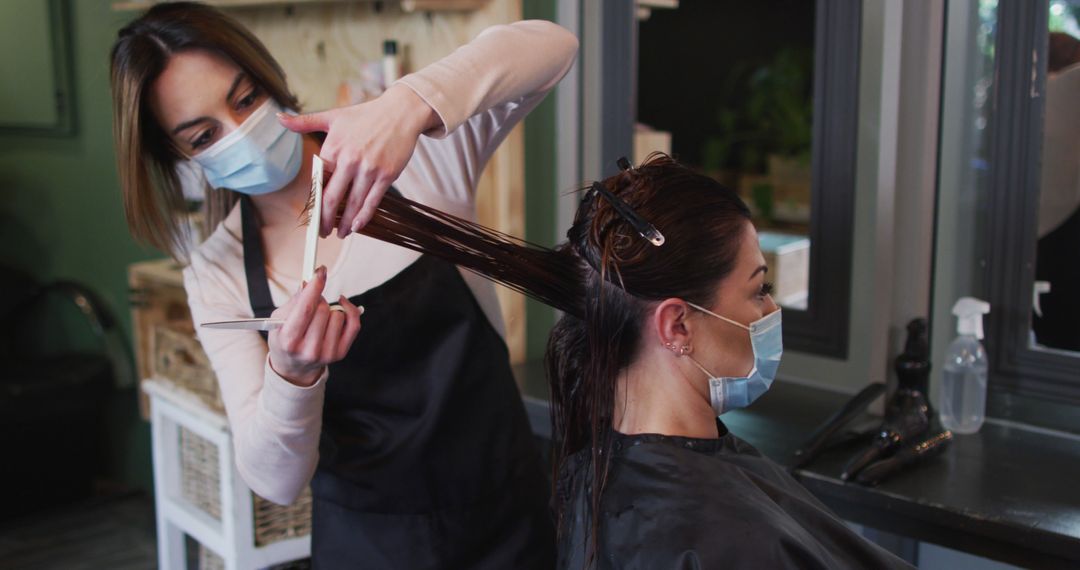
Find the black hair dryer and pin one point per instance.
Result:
(902, 438)
(907, 411)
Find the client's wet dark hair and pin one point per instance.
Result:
(604, 278)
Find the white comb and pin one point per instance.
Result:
(311, 244)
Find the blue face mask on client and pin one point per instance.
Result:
(259, 157)
(767, 340)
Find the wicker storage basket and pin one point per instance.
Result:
(201, 487)
(209, 560)
(178, 358)
(274, 522)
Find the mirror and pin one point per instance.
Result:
(1055, 320)
(728, 88)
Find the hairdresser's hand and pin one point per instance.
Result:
(367, 146)
(313, 335)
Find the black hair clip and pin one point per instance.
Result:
(647, 230)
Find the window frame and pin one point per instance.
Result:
(63, 79)
(823, 327)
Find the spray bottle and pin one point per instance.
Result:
(963, 388)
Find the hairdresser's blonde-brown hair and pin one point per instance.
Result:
(145, 156)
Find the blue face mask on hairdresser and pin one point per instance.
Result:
(259, 157)
(767, 340)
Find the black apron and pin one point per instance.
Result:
(426, 458)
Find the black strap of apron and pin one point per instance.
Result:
(254, 261)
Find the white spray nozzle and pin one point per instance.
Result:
(969, 311)
(1041, 288)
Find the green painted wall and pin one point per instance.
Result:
(541, 192)
(61, 216)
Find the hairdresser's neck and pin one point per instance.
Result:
(285, 206)
(656, 395)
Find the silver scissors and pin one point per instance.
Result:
(246, 324)
(267, 324)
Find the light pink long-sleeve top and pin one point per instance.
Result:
(480, 92)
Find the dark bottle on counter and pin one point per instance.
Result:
(907, 411)
(913, 365)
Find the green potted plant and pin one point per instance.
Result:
(765, 118)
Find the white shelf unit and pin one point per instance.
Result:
(231, 536)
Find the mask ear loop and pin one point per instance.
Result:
(725, 319)
(700, 367)
(684, 350)
(704, 310)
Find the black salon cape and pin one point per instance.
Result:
(676, 502)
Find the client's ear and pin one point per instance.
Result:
(670, 323)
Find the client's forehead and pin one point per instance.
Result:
(749, 257)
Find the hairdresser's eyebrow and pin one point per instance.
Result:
(235, 84)
(761, 269)
(228, 97)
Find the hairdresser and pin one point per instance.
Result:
(410, 430)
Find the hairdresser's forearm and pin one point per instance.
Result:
(275, 425)
(276, 441)
(504, 63)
